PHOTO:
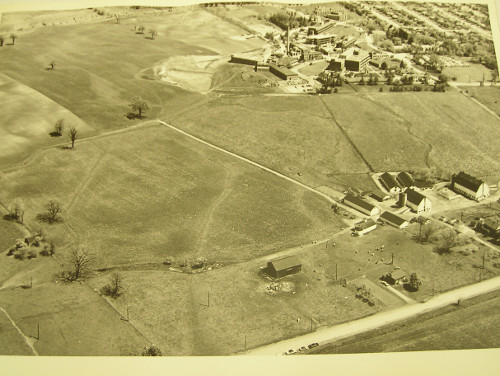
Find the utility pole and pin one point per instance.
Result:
(38, 331)
(336, 271)
(432, 288)
(31, 282)
(245, 342)
(128, 317)
(392, 259)
(483, 258)
(208, 296)
(311, 324)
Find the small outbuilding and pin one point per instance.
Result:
(396, 277)
(282, 267)
(364, 227)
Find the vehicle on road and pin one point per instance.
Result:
(313, 345)
(303, 348)
(290, 352)
(384, 283)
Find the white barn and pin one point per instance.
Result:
(469, 186)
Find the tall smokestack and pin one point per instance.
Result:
(288, 40)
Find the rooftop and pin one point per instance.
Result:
(359, 202)
(466, 180)
(285, 263)
(392, 218)
(414, 197)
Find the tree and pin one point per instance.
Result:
(138, 104)
(73, 134)
(448, 242)
(52, 64)
(16, 210)
(153, 33)
(80, 260)
(114, 288)
(151, 351)
(140, 29)
(425, 232)
(52, 210)
(414, 282)
(117, 18)
(1, 40)
(58, 127)
(443, 79)
(13, 37)
(494, 76)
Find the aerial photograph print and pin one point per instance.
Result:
(249, 178)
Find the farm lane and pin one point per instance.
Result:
(378, 320)
(29, 341)
(325, 196)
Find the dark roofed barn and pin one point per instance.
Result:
(469, 186)
(390, 183)
(282, 267)
(405, 180)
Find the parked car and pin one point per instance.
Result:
(290, 352)
(303, 348)
(313, 345)
(384, 283)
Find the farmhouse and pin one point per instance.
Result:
(282, 267)
(282, 72)
(406, 180)
(396, 277)
(415, 201)
(361, 205)
(393, 220)
(469, 186)
(390, 183)
(379, 195)
(364, 227)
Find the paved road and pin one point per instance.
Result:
(379, 320)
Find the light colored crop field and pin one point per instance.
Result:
(73, 320)
(151, 193)
(27, 117)
(396, 131)
(290, 134)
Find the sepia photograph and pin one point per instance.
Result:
(249, 178)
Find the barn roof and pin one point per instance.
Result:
(398, 274)
(414, 197)
(285, 263)
(359, 202)
(392, 218)
(389, 180)
(405, 179)
(467, 181)
(367, 223)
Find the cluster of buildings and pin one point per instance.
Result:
(279, 69)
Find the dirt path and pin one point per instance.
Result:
(29, 340)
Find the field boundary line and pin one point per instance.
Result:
(255, 164)
(26, 338)
(347, 136)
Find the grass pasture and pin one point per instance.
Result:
(99, 93)
(419, 130)
(487, 95)
(143, 195)
(68, 325)
(290, 134)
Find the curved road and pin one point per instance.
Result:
(379, 320)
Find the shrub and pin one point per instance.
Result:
(32, 254)
(151, 351)
(20, 254)
(48, 249)
(168, 261)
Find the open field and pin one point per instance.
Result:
(403, 133)
(473, 73)
(144, 195)
(100, 93)
(450, 328)
(291, 134)
(314, 68)
(22, 131)
(67, 318)
(487, 95)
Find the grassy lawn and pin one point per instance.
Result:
(12, 342)
(314, 68)
(403, 133)
(68, 325)
(290, 134)
(474, 73)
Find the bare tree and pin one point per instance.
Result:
(140, 29)
(153, 33)
(80, 260)
(425, 232)
(13, 37)
(115, 287)
(52, 64)
(73, 134)
(2, 40)
(138, 104)
(448, 242)
(52, 210)
(117, 18)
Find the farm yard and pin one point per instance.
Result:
(188, 199)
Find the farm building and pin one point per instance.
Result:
(282, 267)
(282, 72)
(390, 183)
(469, 186)
(361, 205)
(379, 195)
(405, 180)
(415, 201)
(364, 227)
(393, 220)
(316, 30)
(396, 277)
(243, 60)
(30, 240)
